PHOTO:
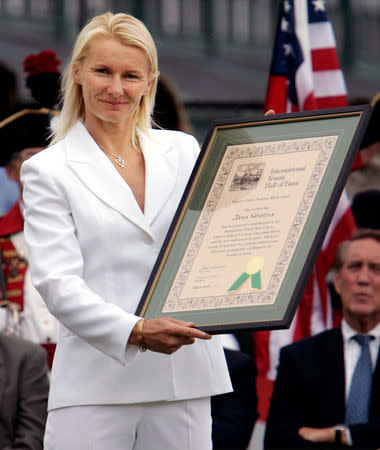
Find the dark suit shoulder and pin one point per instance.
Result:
(15, 347)
(313, 342)
(25, 387)
(234, 414)
(239, 361)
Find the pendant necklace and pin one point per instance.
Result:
(118, 159)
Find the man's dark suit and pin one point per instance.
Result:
(24, 387)
(234, 414)
(310, 391)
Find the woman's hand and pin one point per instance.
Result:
(167, 335)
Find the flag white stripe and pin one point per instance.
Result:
(304, 84)
(329, 83)
(321, 35)
(278, 339)
(304, 74)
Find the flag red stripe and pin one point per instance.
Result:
(310, 102)
(358, 163)
(305, 311)
(324, 59)
(331, 102)
(264, 387)
(261, 342)
(277, 93)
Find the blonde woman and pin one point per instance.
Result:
(98, 204)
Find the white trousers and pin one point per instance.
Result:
(181, 425)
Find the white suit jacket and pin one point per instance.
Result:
(91, 253)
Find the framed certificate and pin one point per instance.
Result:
(252, 219)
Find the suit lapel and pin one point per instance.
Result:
(96, 171)
(334, 361)
(161, 167)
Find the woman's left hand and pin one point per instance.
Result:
(167, 335)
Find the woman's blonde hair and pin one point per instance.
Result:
(128, 31)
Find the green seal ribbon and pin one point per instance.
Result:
(252, 270)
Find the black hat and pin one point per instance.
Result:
(43, 77)
(365, 210)
(24, 129)
(372, 133)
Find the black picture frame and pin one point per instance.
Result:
(303, 159)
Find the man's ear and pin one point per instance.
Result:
(337, 281)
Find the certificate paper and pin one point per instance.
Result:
(252, 219)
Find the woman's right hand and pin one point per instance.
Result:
(167, 335)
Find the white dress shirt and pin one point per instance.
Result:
(352, 350)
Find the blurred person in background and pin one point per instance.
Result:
(43, 78)
(169, 112)
(8, 90)
(327, 391)
(364, 185)
(22, 135)
(24, 394)
(24, 312)
(9, 192)
(368, 177)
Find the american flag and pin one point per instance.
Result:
(304, 75)
(305, 72)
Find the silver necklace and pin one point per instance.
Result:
(118, 159)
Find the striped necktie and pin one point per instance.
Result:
(357, 407)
